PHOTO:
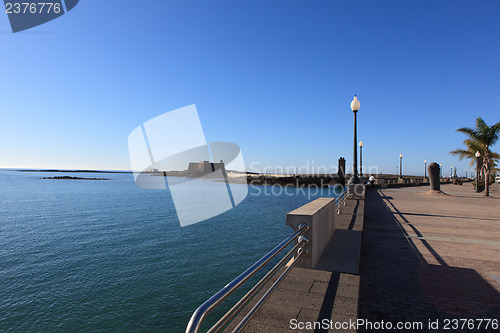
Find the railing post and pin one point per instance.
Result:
(319, 216)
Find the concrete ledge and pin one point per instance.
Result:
(319, 216)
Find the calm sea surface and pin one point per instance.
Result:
(108, 256)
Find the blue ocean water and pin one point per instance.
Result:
(108, 256)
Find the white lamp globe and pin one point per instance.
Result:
(355, 104)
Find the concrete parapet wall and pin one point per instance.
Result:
(319, 215)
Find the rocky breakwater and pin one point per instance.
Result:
(293, 180)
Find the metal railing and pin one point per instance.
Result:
(203, 310)
(340, 200)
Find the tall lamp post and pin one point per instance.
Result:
(465, 173)
(478, 154)
(361, 159)
(401, 166)
(354, 178)
(425, 169)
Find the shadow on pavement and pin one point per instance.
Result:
(329, 300)
(398, 285)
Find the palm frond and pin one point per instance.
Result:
(473, 145)
(496, 127)
(462, 153)
(481, 125)
(492, 134)
(495, 156)
(469, 131)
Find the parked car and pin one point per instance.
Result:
(497, 179)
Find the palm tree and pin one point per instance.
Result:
(481, 138)
(472, 148)
(470, 153)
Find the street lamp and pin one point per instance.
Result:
(478, 154)
(401, 166)
(425, 169)
(361, 158)
(354, 178)
(465, 173)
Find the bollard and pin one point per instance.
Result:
(434, 172)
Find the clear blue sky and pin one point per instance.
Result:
(275, 77)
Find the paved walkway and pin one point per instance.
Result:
(430, 256)
(423, 257)
(312, 295)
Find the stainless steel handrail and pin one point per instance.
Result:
(204, 309)
(255, 289)
(340, 200)
(261, 301)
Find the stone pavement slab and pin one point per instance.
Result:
(430, 256)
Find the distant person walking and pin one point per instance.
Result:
(372, 182)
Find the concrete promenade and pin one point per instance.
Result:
(430, 256)
(423, 257)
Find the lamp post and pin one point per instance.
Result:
(401, 166)
(425, 169)
(361, 159)
(478, 154)
(465, 173)
(440, 171)
(354, 178)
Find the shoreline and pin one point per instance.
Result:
(71, 171)
(74, 178)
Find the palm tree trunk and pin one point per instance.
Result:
(487, 183)
(487, 172)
